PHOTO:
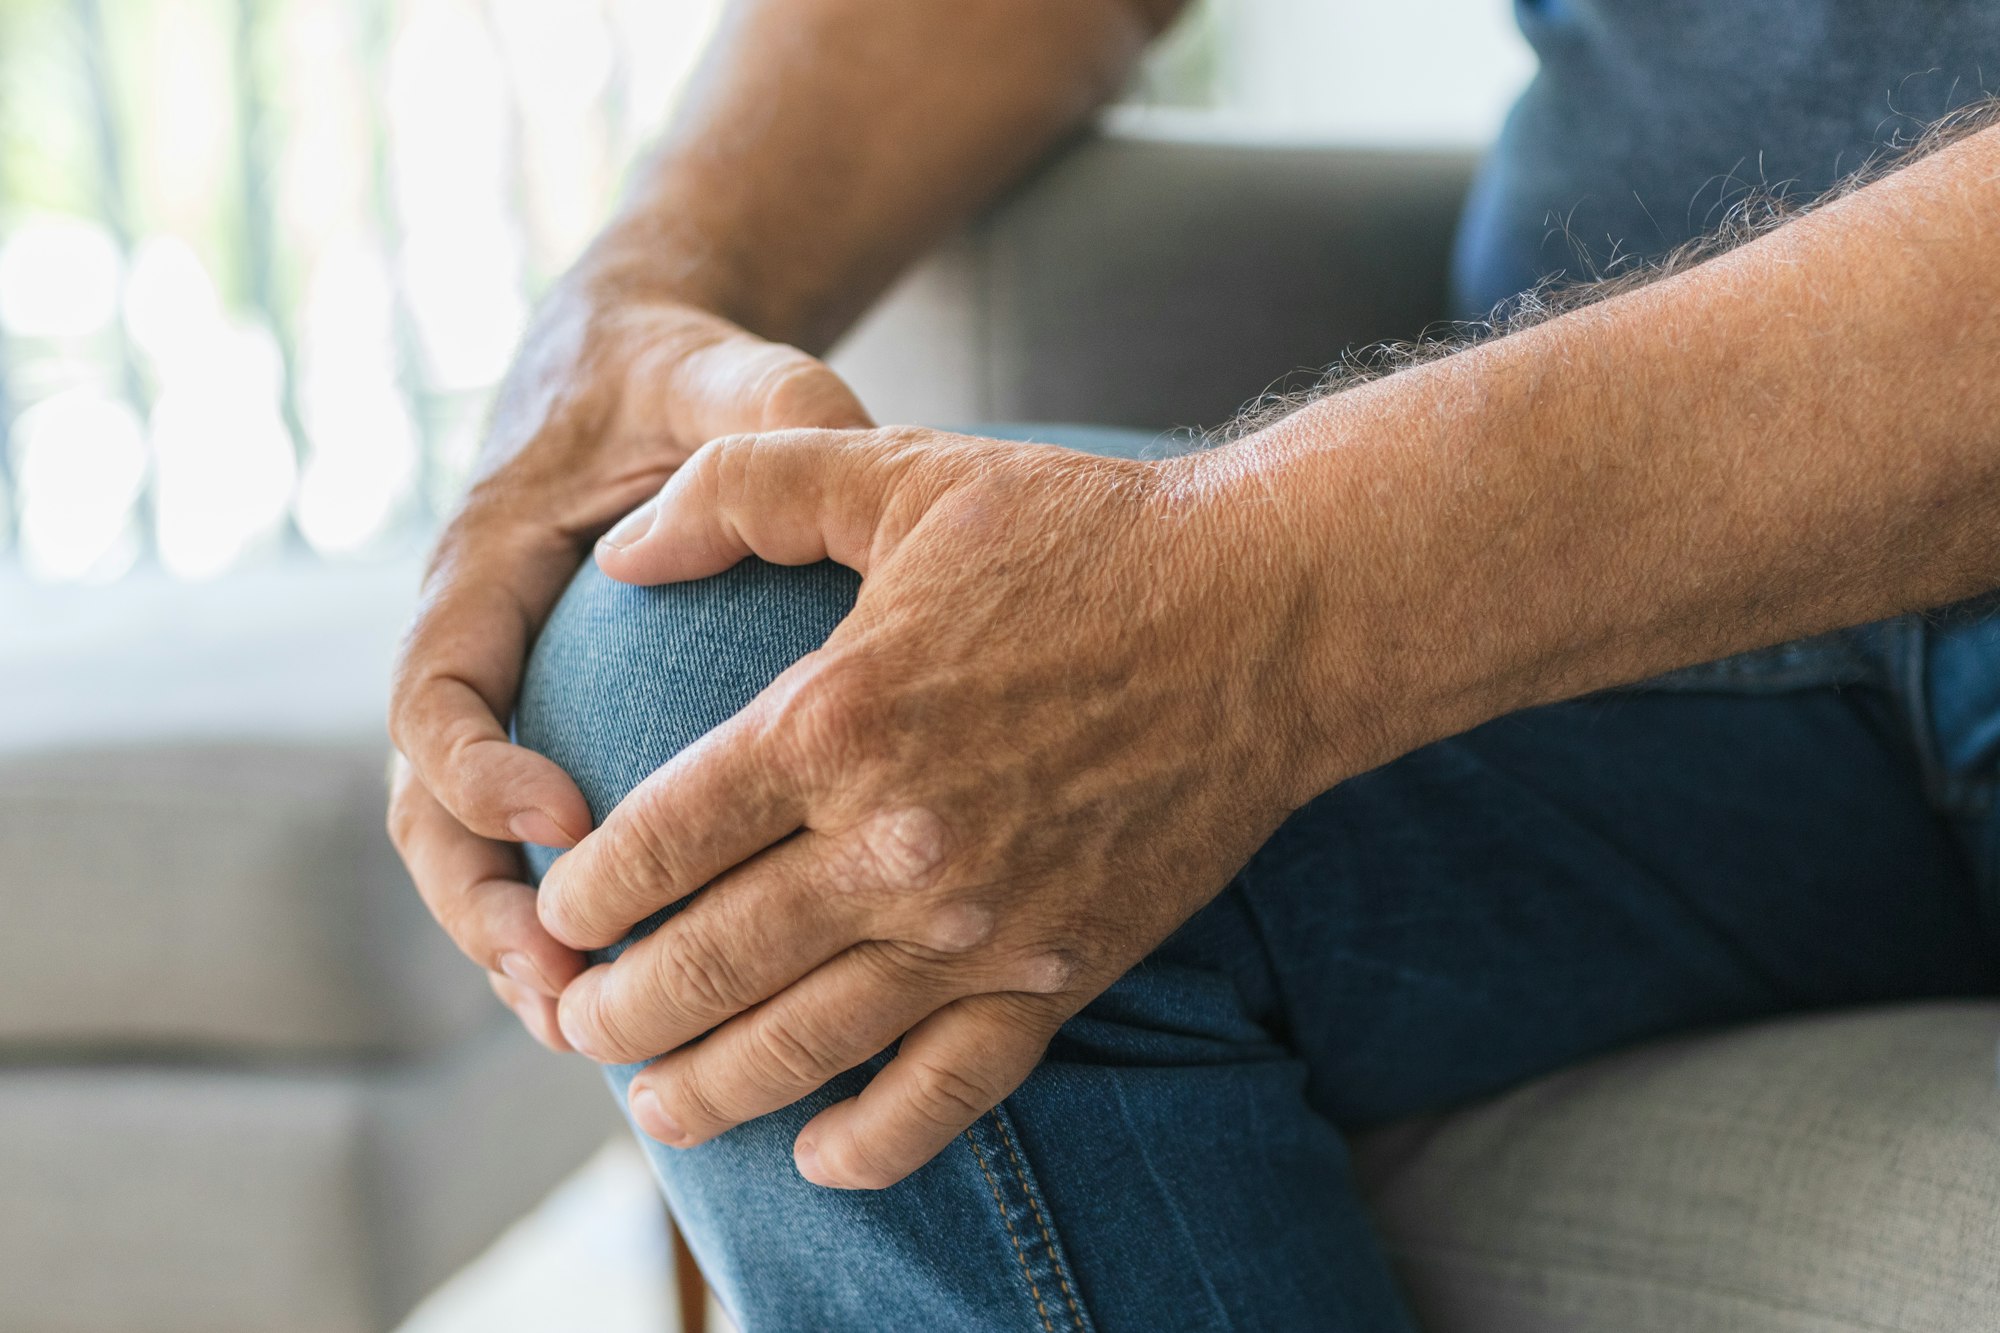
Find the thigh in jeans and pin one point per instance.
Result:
(1572, 879)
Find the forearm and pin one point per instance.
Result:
(825, 143)
(1799, 434)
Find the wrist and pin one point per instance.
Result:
(639, 265)
(661, 251)
(1359, 513)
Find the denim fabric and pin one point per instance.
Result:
(1794, 829)
(1648, 117)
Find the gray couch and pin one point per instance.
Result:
(245, 1085)
(1832, 1172)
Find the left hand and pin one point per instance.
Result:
(1067, 706)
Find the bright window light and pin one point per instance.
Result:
(172, 309)
(222, 455)
(80, 459)
(58, 278)
(324, 261)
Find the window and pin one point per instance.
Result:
(263, 261)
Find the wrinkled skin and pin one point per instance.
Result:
(607, 398)
(1040, 742)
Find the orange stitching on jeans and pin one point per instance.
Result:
(1048, 1241)
(1041, 1307)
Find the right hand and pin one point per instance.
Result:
(608, 396)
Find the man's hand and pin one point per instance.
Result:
(609, 396)
(1062, 713)
(788, 192)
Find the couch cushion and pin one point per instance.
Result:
(178, 1199)
(1164, 273)
(191, 811)
(1832, 1173)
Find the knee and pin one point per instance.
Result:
(623, 678)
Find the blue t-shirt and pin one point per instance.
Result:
(1648, 117)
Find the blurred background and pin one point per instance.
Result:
(262, 263)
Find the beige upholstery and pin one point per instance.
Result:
(201, 769)
(304, 935)
(1832, 1174)
(297, 1196)
(1836, 1172)
(245, 1084)
(1150, 278)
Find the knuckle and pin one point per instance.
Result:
(827, 717)
(854, 1160)
(402, 706)
(903, 964)
(946, 1097)
(1050, 971)
(567, 903)
(648, 849)
(795, 1057)
(402, 819)
(698, 1102)
(457, 748)
(634, 865)
(794, 389)
(696, 978)
(462, 928)
(657, 828)
(585, 1011)
(453, 772)
(465, 930)
(617, 1013)
(415, 683)
(958, 927)
(828, 711)
(903, 848)
(702, 467)
(736, 465)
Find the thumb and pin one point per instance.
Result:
(741, 383)
(789, 497)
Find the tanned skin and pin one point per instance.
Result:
(1076, 693)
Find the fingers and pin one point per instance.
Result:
(754, 931)
(828, 1023)
(715, 804)
(951, 1069)
(537, 1012)
(791, 498)
(473, 886)
(456, 678)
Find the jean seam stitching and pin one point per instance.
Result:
(1048, 1240)
(1020, 1251)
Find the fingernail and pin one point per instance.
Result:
(522, 969)
(653, 1118)
(536, 827)
(632, 527)
(806, 1158)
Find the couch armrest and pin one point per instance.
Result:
(1162, 274)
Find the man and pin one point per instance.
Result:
(1284, 718)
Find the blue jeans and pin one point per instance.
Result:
(1789, 830)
